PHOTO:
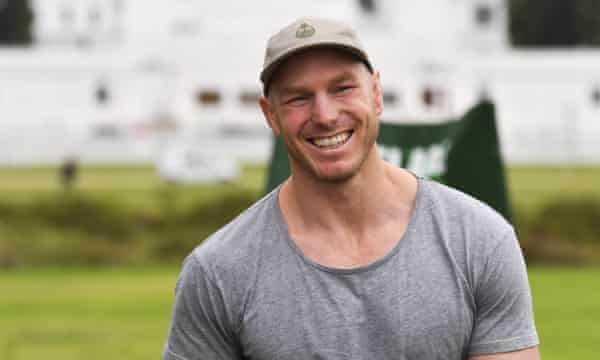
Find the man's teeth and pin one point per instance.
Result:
(332, 140)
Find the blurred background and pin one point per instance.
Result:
(130, 131)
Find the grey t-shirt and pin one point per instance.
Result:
(455, 285)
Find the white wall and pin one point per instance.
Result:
(155, 56)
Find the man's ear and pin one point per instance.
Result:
(377, 93)
(269, 112)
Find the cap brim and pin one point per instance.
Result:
(267, 74)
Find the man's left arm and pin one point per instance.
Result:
(526, 354)
(504, 327)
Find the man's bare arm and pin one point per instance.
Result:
(531, 353)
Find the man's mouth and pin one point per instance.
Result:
(331, 141)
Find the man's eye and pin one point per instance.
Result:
(344, 88)
(296, 100)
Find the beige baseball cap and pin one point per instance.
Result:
(307, 33)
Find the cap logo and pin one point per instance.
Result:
(305, 30)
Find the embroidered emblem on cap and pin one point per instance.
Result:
(305, 30)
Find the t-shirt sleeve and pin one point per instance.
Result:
(200, 327)
(504, 312)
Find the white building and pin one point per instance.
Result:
(116, 80)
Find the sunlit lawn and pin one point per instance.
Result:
(530, 187)
(533, 187)
(85, 314)
(567, 309)
(124, 313)
(136, 187)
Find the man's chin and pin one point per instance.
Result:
(326, 172)
(336, 177)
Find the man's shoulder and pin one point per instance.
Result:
(458, 209)
(472, 234)
(242, 239)
(229, 262)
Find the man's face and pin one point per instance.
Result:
(325, 105)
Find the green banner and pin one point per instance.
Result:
(463, 153)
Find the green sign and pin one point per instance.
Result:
(463, 153)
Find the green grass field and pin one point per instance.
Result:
(567, 311)
(84, 314)
(122, 313)
(134, 187)
(532, 187)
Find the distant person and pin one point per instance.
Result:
(351, 257)
(68, 172)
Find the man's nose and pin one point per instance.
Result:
(325, 110)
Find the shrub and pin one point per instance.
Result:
(88, 215)
(77, 229)
(563, 231)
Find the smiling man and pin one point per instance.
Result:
(351, 257)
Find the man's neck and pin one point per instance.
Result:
(350, 215)
(327, 204)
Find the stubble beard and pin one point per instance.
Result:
(307, 166)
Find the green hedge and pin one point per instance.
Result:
(565, 230)
(77, 228)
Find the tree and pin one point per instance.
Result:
(587, 13)
(15, 22)
(554, 23)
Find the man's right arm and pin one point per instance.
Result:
(200, 328)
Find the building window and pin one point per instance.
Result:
(102, 95)
(184, 27)
(390, 98)
(596, 97)
(484, 93)
(118, 5)
(368, 6)
(249, 97)
(106, 132)
(208, 97)
(67, 16)
(483, 15)
(433, 98)
(94, 16)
